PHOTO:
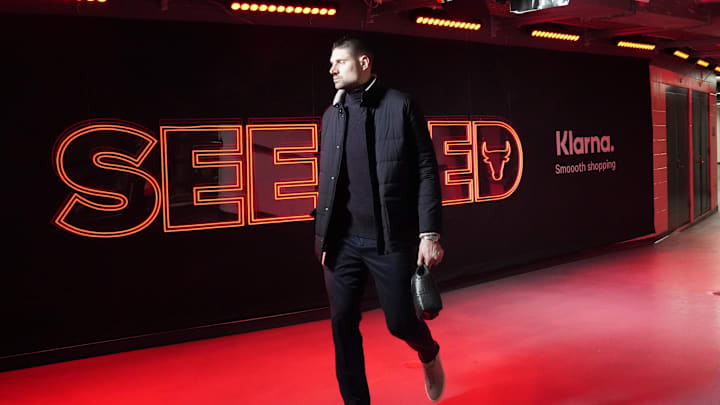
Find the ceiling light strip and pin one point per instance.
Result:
(439, 22)
(636, 45)
(555, 35)
(681, 54)
(283, 9)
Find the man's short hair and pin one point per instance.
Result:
(356, 45)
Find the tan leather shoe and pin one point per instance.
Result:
(434, 379)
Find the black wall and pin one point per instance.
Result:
(61, 289)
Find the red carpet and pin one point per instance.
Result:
(635, 327)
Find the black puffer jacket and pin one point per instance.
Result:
(403, 164)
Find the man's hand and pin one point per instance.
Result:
(430, 253)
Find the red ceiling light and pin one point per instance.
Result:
(555, 35)
(717, 69)
(703, 63)
(309, 9)
(446, 23)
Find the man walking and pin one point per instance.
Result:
(378, 213)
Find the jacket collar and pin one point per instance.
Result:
(369, 97)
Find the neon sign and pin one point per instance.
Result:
(469, 175)
(220, 175)
(292, 154)
(208, 157)
(72, 217)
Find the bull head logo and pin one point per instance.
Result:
(496, 159)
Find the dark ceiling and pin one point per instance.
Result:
(692, 26)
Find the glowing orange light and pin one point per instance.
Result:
(463, 147)
(474, 150)
(235, 6)
(323, 11)
(281, 9)
(717, 69)
(555, 35)
(101, 1)
(290, 9)
(332, 11)
(306, 10)
(636, 45)
(496, 172)
(419, 20)
(105, 160)
(254, 7)
(284, 155)
(230, 157)
(703, 63)
(272, 8)
(245, 7)
(315, 10)
(681, 54)
(298, 10)
(263, 7)
(479, 196)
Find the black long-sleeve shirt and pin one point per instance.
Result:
(355, 206)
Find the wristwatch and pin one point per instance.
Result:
(433, 236)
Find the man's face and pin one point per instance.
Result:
(346, 69)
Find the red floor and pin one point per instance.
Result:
(635, 327)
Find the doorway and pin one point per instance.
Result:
(676, 101)
(701, 153)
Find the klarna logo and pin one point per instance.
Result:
(566, 144)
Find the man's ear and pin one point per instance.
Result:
(365, 62)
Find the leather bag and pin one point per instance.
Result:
(425, 294)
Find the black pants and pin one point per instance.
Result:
(346, 270)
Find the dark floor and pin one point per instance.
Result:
(639, 326)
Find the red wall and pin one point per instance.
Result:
(692, 80)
